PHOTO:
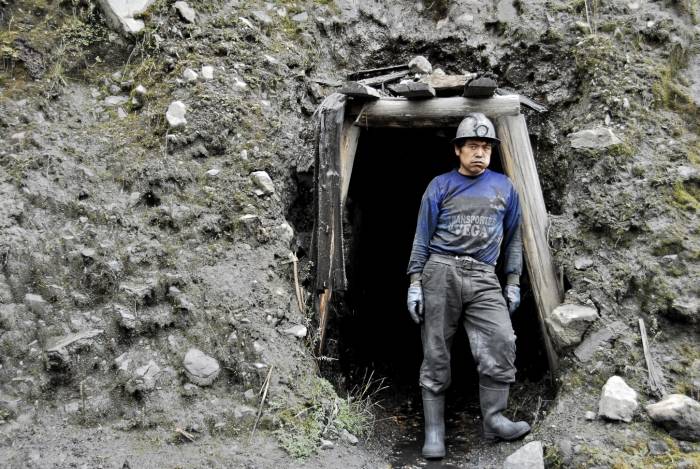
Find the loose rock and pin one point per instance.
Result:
(600, 137)
(420, 64)
(176, 114)
(568, 322)
(529, 456)
(348, 437)
(679, 415)
(186, 12)
(326, 444)
(657, 447)
(297, 330)
(595, 341)
(617, 401)
(583, 263)
(36, 304)
(121, 14)
(190, 75)
(263, 181)
(207, 72)
(200, 368)
(262, 17)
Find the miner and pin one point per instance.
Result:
(467, 217)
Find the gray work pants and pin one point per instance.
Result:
(466, 291)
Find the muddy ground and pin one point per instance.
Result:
(119, 224)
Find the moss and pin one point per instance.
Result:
(686, 198)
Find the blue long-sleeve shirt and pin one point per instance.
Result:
(470, 215)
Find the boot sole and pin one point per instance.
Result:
(493, 437)
(436, 455)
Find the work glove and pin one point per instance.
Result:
(415, 302)
(512, 295)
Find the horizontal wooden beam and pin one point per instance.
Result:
(436, 112)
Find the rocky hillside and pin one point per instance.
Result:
(155, 185)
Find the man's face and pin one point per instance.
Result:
(474, 156)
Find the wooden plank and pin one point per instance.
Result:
(358, 90)
(348, 147)
(438, 112)
(519, 164)
(446, 84)
(382, 79)
(324, 299)
(656, 380)
(360, 74)
(413, 90)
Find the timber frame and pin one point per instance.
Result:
(339, 122)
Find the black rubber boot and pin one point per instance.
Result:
(434, 411)
(493, 397)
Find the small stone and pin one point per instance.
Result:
(687, 447)
(18, 137)
(568, 323)
(657, 447)
(249, 395)
(121, 15)
(597, 340)
(244, 412)
(442, 23)
(679, 415)
(176, 114)
(297, 330)
(143, 379)
(190, 390)
(464, 20)
(186, 12)
(583, 263)
(113, 101)
(598, 138)
(140, 91)
(617, 401)
(420, 64)
(200, 368)
(262, 17)
(189, 75)
(348, 437)
(207, 72)
(212, 173)
(36, 304)
(326, 444)
(301, 17)
(263, 181)
(590, 415)
(530, 456)
(582, 26)
(285, 232)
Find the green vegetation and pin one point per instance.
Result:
(686, 197)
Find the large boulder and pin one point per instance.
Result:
(200, 368)
(529, 456)
(594, 139)
(679, 415)
(617, 401)
(121, 14)
(568, 322)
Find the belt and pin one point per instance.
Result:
(462, 261)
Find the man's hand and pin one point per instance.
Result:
(415, 302)
(512, 296)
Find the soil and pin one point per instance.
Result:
(117, 222)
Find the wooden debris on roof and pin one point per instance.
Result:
(372, 72)
(358, 90)
(383, 79)
(413, 90)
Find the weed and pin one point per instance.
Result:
(686, 197)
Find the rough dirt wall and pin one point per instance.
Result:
(118, 223)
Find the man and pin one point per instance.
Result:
(466, 217)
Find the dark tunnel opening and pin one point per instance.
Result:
(372, 331)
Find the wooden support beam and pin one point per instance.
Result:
(519, 164)
(413, 90)
(327, 239)
(348, 147)
(358, 90)
(438, 112)
(362, 74)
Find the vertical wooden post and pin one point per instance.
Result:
(519, 164)
(327, 242)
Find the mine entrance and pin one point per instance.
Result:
(373, 162)
(373, 329)
(392, 169)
